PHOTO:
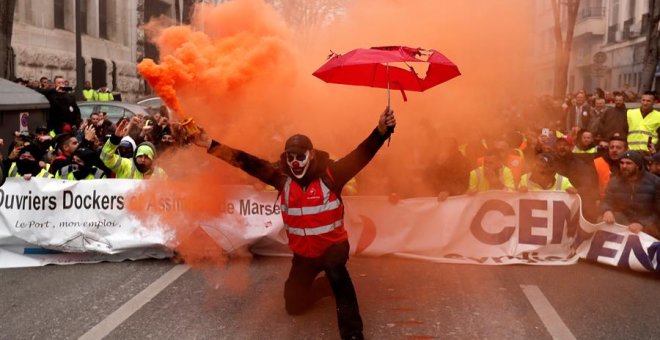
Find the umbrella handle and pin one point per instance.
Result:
(390, 129)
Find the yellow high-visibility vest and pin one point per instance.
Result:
(641, 128)
(561, 183)
(478, 181)
(90, 95)
(105, 97)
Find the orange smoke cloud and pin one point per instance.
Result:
(245, 76)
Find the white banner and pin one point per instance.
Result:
(46, 221)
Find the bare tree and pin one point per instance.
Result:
(563, 43)
(652, 41)
(307, 16)
(6, 29)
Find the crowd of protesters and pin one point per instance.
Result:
(589, 145)
(70, 147)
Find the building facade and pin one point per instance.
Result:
(608, 46)
(113, 42)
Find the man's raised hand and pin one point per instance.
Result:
(386, 120)
(122, 128)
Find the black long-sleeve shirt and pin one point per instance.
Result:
(276, 174)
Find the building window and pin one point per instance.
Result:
(615, 13)
(83, 15)
(103, 19)
(58, 14)
(631, 9)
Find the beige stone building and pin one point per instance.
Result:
(113, 43)
(608, 46)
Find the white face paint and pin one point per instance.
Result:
(298, 163)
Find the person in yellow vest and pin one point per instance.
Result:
(584, 142)
(27, 164)
(89, 93)
(490, 176)
(82, 167)
(512, 161)
(544, 176)
(643, 124)
(104, 94)
(141, 166)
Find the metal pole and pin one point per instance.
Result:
(387, 73)
(80, 62)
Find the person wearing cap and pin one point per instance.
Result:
(544, 176)
(140, 166)
(633, 198)
(43, 136)
(309, 185)
(654, 164)
(82, 166)
(27, 164)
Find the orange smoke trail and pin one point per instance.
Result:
(241, 74)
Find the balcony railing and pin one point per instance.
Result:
(591, 12)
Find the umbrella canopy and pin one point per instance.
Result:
(370, 67)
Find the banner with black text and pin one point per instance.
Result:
(45, 221)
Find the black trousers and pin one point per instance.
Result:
(301, 289)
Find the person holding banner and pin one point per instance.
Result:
(544, 176)
(309, 185)
(82, 167)
(633, 197)
(493, 175)
(27, 165)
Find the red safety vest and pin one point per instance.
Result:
(313, 218)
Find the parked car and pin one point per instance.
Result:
(153, 102)
(114, 110)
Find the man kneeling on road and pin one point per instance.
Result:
(309, 184)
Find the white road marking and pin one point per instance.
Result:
(549, 316)
(115, 319)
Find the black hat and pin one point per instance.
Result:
(655, 158)
(298, 144)
(34, 150)
(41, 129)
(86, 155)
(546, 158)
(636, 157)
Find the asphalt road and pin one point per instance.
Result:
(399, 299)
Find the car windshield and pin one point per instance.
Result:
(114, 113)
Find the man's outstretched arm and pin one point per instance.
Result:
(254, 166)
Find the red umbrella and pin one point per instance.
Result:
(370, 67)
